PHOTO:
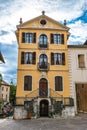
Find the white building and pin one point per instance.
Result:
(77, 56)
(5, 91)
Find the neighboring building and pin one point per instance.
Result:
(1, 57)
(78, 75)
(5, 91)
(43, 73)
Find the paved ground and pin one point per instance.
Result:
(77, 123)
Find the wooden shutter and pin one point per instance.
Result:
(34, 57)
(52, 58)
(81, 61)
(63, 58)
(23, 37)
(56, 83)
(22, 57)
(34, 37)
(60, 88)
(30, 83)
(62, 38)
(51, 38)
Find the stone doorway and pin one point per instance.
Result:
(44, 108)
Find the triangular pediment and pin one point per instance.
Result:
(42, 21)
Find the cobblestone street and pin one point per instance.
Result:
(77, 123)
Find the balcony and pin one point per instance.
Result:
(41, 46)
(43, 66)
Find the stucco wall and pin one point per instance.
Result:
(76, 74)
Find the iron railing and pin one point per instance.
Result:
(40, 45)
(43, 66)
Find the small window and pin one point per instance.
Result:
(81, 62)
(28, 83)
(43, 21)
(58, 83)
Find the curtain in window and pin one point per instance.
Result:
(28, 58)
(57, 58)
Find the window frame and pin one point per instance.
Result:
(57, 39)
(28, 37)
(81, 60)
(43, 40)
(57, 55)
(28, 57)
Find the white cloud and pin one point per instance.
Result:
(79, 31)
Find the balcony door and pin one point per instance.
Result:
(43, 60)
(43, 87)
(43, 41)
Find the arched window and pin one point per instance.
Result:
(43, 41)
(28, 83)
(43, 58)
(58, 83)
(43, 61)
(43, 87)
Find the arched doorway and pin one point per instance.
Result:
(43, 87)
(44, 108)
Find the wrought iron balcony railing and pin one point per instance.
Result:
(40, 45)
(43, 66)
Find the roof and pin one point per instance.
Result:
(39, 17)
(85, 42)
(1, 57)
(4, 83)
(77, 46)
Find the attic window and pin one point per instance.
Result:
(43, 21)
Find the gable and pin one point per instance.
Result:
(43, 21)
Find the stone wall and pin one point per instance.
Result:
(20, 112)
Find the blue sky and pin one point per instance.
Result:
(74, 11)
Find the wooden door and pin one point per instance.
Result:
(81, 97)
(43, 88)
(44, 105)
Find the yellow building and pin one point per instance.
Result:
(43, 75)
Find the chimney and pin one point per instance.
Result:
(20, 21)
(65, 22)
(43, 12)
